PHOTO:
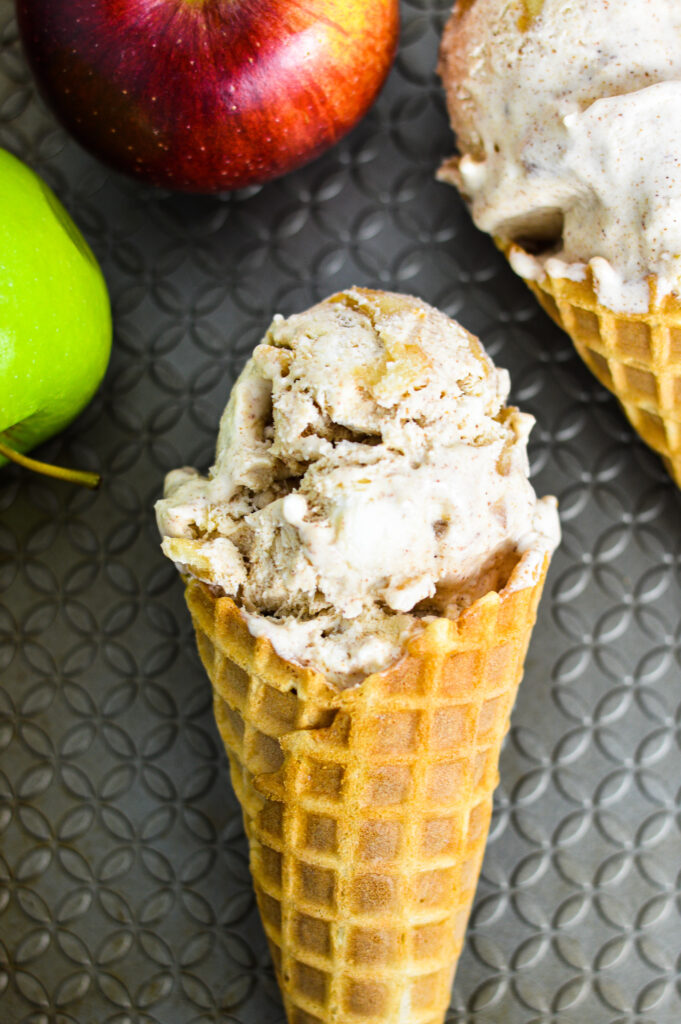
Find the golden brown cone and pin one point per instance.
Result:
(367, 809)
(636, 356)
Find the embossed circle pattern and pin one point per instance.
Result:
(124, 889)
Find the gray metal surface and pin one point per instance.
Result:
(124, 890)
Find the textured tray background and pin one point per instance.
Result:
(124, 885)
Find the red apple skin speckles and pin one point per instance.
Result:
(209, 95)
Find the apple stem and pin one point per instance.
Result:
(73, 476)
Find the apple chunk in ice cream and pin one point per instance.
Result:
(368, 477)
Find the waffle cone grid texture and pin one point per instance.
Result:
(637, 357)
(367, 809)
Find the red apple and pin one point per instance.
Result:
(208, 95)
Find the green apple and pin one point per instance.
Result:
(55, 317)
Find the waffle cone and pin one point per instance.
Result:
(636, 356)
(367, 809)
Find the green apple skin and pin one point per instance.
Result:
(55, 315)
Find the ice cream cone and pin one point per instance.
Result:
(572, 156)
(367, 808)
(636, 356)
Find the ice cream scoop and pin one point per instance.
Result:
(566, 117)
(570, 141)
(368, 476)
